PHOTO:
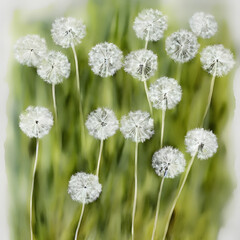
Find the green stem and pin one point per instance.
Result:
(158, 207)
(146, 91)
(54, 101)
(99, 157)
(162, 128)
(179, 72)
(178, 194)
(79, 222)
(32, 188)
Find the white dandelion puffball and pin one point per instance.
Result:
(182, 46)
(102, 123)
(168, 162)
(105, 59)
(84, 188)
(30, 50)
(165, 93)
(36, 122)
(217, 60)
(150, 25)
(141, 64)
(54, 68)
(202, 141)
(137, 126)
(203, 25)
(68, 31)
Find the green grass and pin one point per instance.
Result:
(198, 214)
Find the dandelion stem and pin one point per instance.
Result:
(99, 157)
(179, 72)
(32, 188)
(209, 97)
(146, 43)
(158, 207)
(146, 90)
(178, 194)
(135, 188)
(78, 87)
(162, 128)
(54, 101)
(79, 222)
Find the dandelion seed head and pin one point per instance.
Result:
(54, 68)
(29, 50)
(203, 25)
(217, 60)
(150, 25)
(168, 162)
(68, 31)
(36, 122)
(137, 126)
(105, 59)
(141, 64)
(102, 123)
(84, 188)
(182, 46)
(202, 141)
(165, 93)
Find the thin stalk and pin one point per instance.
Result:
(99, 157)
(146, 91)
(135, 188)
(54, 101)
(209, 96)
(158, 207)
(78, 88)
(178, 194)
(79, 222)
(146, 43)
(179, 72)
(32, 188)
(162, 128)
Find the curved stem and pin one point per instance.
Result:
(178, 194)
(54, 101)
(99, 157)
(179, 72)
(79, 222)
(158, 207)
(162, 128)
(209, 97)
(146, 43)
(32, 188)
(146, 91)
(135, 188)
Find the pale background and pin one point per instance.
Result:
(184, 9)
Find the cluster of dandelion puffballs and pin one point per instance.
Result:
(105, 59)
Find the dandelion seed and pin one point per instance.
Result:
(68, 32)
(182, 46)
(83, 188)
(201, 141)
(36, 122)
(217, 60)
(137, 126)
(30, 50)
(105, 59)
(150, 25)
(203, 25)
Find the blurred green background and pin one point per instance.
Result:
(198, 214)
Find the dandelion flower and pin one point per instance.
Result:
(182, 46)
(105, 59)
(36, 122)
(168, 162)
(137, 126)
(150, 25)
(141, 64)
(68, 32)
(165, 93)
(202, 142)
(30, 50)
(102, 123)
(203, 25)
(217, 60)
(84, 188)
(54, 68)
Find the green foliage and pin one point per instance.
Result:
(198, 214)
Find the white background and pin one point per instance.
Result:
(184, 9)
